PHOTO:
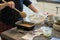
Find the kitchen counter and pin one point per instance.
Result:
(13, 34)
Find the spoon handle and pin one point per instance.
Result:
(14, 8)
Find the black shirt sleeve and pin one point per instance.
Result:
(1, 1)
(5, 0)
(27, 2)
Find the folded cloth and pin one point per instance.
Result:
(0, 38)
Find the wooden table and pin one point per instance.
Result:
(13, 34)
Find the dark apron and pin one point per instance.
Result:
(9, 15)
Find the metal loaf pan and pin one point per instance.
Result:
(27, 26)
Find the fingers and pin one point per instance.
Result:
(11, 4)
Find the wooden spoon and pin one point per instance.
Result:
(23, 14)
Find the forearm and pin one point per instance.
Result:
(2, 5)
(33, 8)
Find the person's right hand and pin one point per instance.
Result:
(11, 4)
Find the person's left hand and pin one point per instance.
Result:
(39, 14)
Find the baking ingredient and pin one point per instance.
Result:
(36, 18)
(26, 25)
(47, 31)
(23, 14)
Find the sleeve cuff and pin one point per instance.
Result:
(27, 2)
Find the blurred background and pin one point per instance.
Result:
(44, 6)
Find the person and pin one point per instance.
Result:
(9, 15)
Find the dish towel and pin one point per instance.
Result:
(0, 38)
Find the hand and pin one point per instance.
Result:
(11, 4)
(39, 14)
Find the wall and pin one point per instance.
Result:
(49, 7)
